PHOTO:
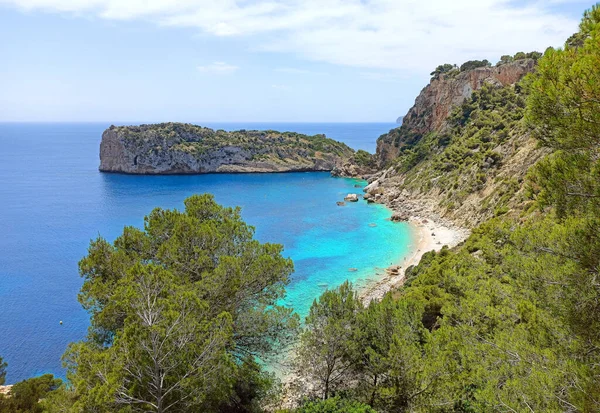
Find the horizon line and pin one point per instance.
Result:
(194, 122)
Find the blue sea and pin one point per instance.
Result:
(53, 201)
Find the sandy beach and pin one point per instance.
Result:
(429, 235)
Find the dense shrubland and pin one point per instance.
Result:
(483, 131)
(199, 140)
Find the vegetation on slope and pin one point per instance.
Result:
(452, 70)
(28, 396)
(199, 140)
(508, 321)
(484, 131)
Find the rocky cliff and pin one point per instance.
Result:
(436, 101)
(177, 148)
(463, 150)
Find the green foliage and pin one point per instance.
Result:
(564, 109)
(2, 371)
(487, 327)
(464, 159)
(322, 355)
(509, 320)
(180, 312)
(474, 64)
(443, 69)
(198, 141)
(518, 56)
(364, 158)
(25, 396)
(590, 20)
(505, 59)
(334, 405)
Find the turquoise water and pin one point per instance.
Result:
(54, 200)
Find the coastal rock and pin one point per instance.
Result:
(178, 148)
(436, 101)
(351, 198)
(340, 203)
(355, 167)
(433, 187)
(400, 216)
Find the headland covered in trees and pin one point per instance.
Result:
(184, 312)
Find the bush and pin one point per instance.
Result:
(474, 64)
(335, 405)
(24, 396)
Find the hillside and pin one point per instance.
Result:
(178, 148)
(508, 320)
(463, 150)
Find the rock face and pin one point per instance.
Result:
(177, 148)
(459, 174)
(436, 101)
(349, 169)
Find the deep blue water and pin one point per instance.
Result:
(53, 201)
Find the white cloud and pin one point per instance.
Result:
(374, 34)
(218, 68)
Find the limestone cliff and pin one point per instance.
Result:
(436, 101)
(463, 150)
(177, 148)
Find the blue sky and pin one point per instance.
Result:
(242, 60)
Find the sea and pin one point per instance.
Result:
(53, 201)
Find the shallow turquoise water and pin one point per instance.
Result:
(54, 201)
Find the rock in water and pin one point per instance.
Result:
(351, 198)
(181, 148)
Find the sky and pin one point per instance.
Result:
(251, 60)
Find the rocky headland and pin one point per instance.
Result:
(180, 148)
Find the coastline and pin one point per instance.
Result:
(429, 235)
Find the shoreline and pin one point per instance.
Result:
(429, 235)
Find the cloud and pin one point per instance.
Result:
(218, 68)
(413, 35)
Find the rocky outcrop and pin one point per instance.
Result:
(408, 200)
(463, 172)
(177, 148)
(348, 168)
(351, 198)
(361, 165)
(436, 101)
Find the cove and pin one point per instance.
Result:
(54, 201)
